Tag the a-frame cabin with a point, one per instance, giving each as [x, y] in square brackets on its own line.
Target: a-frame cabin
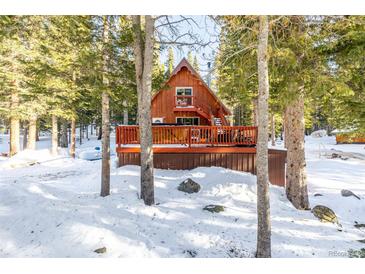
[188, 100]
[191, 129]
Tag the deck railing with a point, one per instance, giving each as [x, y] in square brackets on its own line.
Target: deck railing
[191, 135]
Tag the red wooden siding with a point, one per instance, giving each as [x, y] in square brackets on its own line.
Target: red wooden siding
[350, 138]
[241, 159]
[164, 103]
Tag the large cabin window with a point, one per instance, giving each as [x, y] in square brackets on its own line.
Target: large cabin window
[184, 96]
[189, 121]
[184, 91]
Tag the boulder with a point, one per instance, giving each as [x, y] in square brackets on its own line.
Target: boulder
[339, 155]
[189, 186]
[214, 208]
[318, 194]
[335, 155]
[359, 226]
[100, 250]
[235, 252]
[348, 193]
[325, 214]
[191, 253]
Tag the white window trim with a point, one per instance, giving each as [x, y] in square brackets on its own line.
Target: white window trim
[192, 91]
[188, 117]
[192, 95]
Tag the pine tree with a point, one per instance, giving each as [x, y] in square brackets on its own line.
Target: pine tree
[12, 53]
[170, 62]
[293, 61]
[190, 58]
[196, 64]
[105, 171]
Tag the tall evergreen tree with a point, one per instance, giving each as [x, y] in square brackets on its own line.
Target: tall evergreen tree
[170, 62]
[190, 58]
[196, 64]
[105, 170]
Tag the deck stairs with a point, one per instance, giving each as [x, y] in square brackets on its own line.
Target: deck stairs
[200, 111]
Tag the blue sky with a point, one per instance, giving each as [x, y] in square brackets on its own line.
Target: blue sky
[206, 29]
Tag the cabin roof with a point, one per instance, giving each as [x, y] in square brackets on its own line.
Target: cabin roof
[184, 63]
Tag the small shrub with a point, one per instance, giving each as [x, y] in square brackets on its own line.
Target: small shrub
[356, 253]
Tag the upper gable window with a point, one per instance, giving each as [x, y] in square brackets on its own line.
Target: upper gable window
[186, 91]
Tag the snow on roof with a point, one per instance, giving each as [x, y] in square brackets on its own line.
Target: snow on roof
[345, 130]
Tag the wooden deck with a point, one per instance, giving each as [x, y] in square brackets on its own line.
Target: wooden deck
[191, 135]
[188, 147]
[350, 138]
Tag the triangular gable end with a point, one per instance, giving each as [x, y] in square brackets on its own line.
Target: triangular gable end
[185, 63]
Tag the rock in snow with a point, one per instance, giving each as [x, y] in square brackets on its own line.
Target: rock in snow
[189, 186]
[100, 250]
[348, 193]
[359, 226]
[214, 208]
[325, 214]
[191, 253]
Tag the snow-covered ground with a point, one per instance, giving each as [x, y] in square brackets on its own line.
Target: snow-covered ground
[53, 209]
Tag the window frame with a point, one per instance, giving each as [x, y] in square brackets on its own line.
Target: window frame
[192, 117]
[191, 88]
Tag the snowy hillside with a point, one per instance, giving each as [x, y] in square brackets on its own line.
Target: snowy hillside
[53, 209]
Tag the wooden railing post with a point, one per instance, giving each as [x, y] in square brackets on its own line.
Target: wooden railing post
[190, 136]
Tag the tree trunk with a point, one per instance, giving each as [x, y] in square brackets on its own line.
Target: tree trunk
[73, 138]
[100, 132]
[263, 197]
[14, 124]
[296, 183]
[92, 129]
[273, 129]
[80, 134]
[125, 113]
[25, 135]
[37, 132]
[54, 135]
[32, 133]
[255, 109]
[14, 136]
[143, 51]
[87, 132]
[64, 141]
[285, 128]
[105, 119]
